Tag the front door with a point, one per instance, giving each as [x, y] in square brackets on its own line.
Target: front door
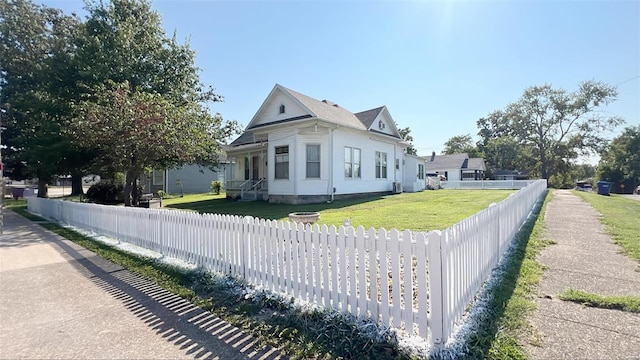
[255, 166]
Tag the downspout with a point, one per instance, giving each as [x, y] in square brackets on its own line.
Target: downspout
[331, 151]
[395, 158]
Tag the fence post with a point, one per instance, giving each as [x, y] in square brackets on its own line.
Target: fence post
[244, 248]
[436, 288]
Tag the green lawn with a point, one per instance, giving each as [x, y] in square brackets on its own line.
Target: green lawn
[622, 219]
[423, 211]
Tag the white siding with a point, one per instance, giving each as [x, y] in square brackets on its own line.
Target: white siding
[368, 182]
[388, 127]
[271, 111]
[312, 186]
[282, 137]
[452, 174]
[411, 181]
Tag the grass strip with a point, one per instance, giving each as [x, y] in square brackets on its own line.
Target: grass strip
[504, 326]
[627, 303]
[420, 211]
[300, 333]
[620, 217]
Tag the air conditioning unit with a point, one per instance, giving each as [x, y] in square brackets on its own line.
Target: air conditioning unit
[397, 187]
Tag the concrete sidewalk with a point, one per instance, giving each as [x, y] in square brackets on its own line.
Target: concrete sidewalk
[59, 300]
[583, 258]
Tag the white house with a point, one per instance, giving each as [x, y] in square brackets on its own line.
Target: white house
[455, 167]
[297, 149]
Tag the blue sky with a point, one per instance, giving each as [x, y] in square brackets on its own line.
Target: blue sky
[437, 66]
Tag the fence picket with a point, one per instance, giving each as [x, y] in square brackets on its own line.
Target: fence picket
[423, 281]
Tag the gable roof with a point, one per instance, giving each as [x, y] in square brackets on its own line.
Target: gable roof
[323, 110]
[367, 117]
[476, 164]
[454, 161]
[327, 110]
[447, 161]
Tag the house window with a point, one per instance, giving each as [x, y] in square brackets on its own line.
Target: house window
[282, 162]
[421, 171]
[313, 161]
[282, 109]
[158, 177]
[381, 165]
[351, 162]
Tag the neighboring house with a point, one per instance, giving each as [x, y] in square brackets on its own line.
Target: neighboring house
[511, 175]
[297, 149]
[455, 167]
[189, 179]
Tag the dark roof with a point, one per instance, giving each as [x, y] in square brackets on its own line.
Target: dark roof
[245, 138]
[301, 117]
[476, 164]
[448, 161]
[368, 116]
[328, 110]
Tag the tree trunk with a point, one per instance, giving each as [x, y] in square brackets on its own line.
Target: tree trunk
[43, 188]
[76, 185]
[129, 183]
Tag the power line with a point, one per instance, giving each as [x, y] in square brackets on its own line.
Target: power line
[626, 81]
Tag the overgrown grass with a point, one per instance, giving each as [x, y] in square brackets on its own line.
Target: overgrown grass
[422, 211]
[503, 326]
[621, 218]
[625, 303]
[300, 333]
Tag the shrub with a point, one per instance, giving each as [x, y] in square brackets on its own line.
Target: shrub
[105, 193]
[216, 186]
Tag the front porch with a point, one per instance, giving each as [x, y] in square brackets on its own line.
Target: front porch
[250, 182]
[248, 190]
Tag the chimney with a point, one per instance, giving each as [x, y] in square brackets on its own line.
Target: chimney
[433, 156]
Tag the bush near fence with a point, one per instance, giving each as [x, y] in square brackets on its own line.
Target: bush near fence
[415, 281]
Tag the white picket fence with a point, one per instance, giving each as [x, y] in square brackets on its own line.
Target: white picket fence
[486, 184]
[415, 281]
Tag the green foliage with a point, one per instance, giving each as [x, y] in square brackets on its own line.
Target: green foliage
[405, 135]
[59, 77]
[620, 161]
[461, 144]
[216, 187]
[628, 303]
[36, 43]
[621, 219]
[546, 129]
[105, 193]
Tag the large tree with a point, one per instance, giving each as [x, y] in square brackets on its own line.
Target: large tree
[620, 161]
[553, 127]
[144, 105]
[135, 130]
[461, 144]
[34, 41]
